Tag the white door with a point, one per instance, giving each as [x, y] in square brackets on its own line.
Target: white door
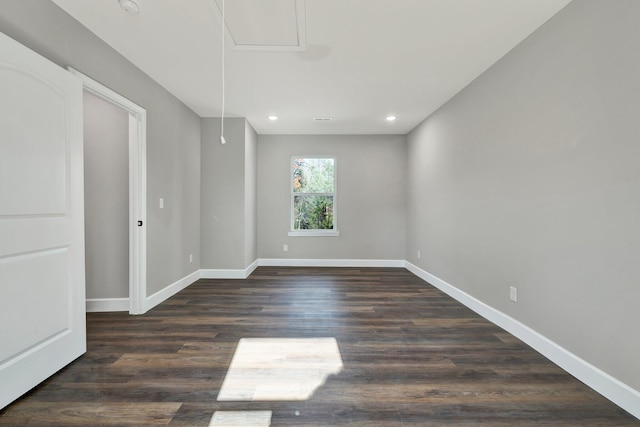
[42, 297]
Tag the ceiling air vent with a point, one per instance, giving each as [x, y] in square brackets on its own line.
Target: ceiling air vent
[322, 119]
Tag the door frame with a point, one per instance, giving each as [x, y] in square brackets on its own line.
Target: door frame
[137, 188]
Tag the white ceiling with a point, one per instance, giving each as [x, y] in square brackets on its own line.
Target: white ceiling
[364, 59]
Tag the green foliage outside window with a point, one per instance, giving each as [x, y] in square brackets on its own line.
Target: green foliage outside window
[313, 186]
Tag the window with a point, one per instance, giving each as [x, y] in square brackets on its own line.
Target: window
[313, 196]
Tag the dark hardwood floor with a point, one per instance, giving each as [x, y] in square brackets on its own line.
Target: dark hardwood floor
[411, 356]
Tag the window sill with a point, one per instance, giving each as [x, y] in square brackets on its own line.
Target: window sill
[314, 233]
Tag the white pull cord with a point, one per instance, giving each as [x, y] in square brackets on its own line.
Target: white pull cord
[222, 140]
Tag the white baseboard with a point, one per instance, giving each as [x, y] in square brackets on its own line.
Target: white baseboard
[608, 386]
[171, 290]
[107, 304]
[228, 273]
[291, 262]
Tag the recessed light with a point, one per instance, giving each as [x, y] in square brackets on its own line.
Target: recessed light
[272, 118]
[391, 118]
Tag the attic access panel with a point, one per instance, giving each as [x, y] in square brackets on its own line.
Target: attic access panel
[266, 24]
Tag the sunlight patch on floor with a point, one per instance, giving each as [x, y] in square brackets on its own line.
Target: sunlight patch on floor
[240, 419]
[269, 369]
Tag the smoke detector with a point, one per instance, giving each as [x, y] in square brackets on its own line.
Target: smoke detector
[130, 6]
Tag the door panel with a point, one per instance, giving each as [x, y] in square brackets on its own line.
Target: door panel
[21, 277]
[38, 153]
[42, 303]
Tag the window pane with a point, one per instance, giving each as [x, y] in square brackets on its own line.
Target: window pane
[312, 212]
[313, 175]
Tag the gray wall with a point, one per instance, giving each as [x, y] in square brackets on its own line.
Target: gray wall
[173, 130]
[224, 194]
[106, 198]
[529, 178]
[250, 195]
[371, 196]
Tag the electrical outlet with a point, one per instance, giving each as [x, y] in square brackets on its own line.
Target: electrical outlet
[161, 203]
[190, 258]
[513, 294]
[419, 254]
[285, 248]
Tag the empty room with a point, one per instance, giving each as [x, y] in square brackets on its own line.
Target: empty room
[319, 212]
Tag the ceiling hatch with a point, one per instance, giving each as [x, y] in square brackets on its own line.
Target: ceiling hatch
[266, 24]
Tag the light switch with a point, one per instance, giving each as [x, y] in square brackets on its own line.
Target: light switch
[161, 203]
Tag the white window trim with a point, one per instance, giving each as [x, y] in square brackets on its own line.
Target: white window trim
[315, 233]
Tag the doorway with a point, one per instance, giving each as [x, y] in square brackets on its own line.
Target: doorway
[136, 131]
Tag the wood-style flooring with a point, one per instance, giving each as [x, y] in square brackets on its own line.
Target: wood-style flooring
[411, 356]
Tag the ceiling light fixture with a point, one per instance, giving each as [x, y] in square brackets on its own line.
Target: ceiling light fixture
[391, 118]
[222, 140]
[272, 118]
[130, 6]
